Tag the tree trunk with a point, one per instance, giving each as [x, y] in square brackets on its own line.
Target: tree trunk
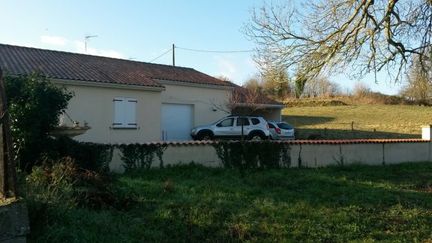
[7, 163]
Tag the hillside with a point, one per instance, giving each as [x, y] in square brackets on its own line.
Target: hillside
[370, 121]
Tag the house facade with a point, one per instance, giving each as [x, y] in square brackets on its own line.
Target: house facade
[126, 101]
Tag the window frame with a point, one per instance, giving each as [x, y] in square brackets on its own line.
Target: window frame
[124, 113]
[232, 124]
[252, 121]
[244, 119]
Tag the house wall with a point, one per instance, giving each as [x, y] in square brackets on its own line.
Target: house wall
[95, 106]
[206, 101]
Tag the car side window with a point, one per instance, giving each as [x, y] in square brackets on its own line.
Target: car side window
[255, 121]
[271, 125]
[226, 123]
[243, 121]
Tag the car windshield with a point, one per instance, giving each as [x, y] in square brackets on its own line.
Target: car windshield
[284, 125]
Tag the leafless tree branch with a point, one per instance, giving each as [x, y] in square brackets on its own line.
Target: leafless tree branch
[364, 35]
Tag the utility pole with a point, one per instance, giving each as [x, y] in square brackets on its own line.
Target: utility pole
[173, 55]
[86, 39]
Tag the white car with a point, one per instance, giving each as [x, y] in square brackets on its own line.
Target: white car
[254, 128]
[281, 130]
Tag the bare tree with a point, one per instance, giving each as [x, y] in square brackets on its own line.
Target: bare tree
[254, 84]
[330, 35]
[272, 82]
[321, 87]
[419, 83]
[243, 98]
[242, 102]
[299, 84]
[276, 82]
[361, 90]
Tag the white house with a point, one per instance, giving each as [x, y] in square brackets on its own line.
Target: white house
[127, 101]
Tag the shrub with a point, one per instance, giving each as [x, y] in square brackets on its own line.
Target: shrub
[140, 156]
[62, 182]
[89, 156]
[253, 155]
[34, 104]
[53, 182]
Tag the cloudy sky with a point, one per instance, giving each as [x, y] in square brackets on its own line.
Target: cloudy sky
[144, 30]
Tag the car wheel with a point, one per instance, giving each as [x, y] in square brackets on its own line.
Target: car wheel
[256, 137]
[205, 136]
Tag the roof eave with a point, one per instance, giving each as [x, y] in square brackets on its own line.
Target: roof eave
[193, 84]
[107, 85]
[259, 105]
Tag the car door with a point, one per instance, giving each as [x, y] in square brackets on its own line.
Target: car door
[224, 128]
[237, 131]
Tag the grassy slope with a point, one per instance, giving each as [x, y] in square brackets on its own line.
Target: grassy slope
[389, 121]
[189, 203]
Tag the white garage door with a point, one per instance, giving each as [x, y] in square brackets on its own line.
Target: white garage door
[177, 121]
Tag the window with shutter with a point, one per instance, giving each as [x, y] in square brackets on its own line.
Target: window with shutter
[125, 113]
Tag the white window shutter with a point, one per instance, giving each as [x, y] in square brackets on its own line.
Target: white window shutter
[118, 110]
[131, 112]
[125, 113]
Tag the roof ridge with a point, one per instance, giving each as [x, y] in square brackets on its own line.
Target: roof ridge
[96, 56]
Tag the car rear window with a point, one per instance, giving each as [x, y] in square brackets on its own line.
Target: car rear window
[271, 125]
[255, 121]
[283, 125]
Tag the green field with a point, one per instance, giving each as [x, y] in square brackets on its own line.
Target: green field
[196, 204]
[370, 121]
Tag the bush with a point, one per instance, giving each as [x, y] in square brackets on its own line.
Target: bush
[253, 155]
[62, 182]
[89, 156]
[34, 104]
[53, 182]
[141, 156]
[304, 102]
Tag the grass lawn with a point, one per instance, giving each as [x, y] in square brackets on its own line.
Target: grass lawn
[192, 203]
[370, 121]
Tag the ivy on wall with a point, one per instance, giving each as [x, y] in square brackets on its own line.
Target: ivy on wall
[141, 156]
[253, 155]
[233, 154]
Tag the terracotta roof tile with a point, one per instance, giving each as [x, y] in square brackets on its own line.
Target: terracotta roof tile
[18, 60]
[296, 142]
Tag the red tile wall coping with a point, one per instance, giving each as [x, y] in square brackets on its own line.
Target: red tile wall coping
[295, 142]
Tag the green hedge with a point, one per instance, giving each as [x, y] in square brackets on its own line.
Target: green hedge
[253, 155]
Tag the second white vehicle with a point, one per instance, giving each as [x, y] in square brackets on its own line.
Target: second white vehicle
[281, 130]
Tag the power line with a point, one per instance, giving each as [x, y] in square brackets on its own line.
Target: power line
[161, 55]
[196, 50]
[213, 51]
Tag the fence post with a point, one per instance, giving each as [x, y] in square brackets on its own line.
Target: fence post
[352, 126]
